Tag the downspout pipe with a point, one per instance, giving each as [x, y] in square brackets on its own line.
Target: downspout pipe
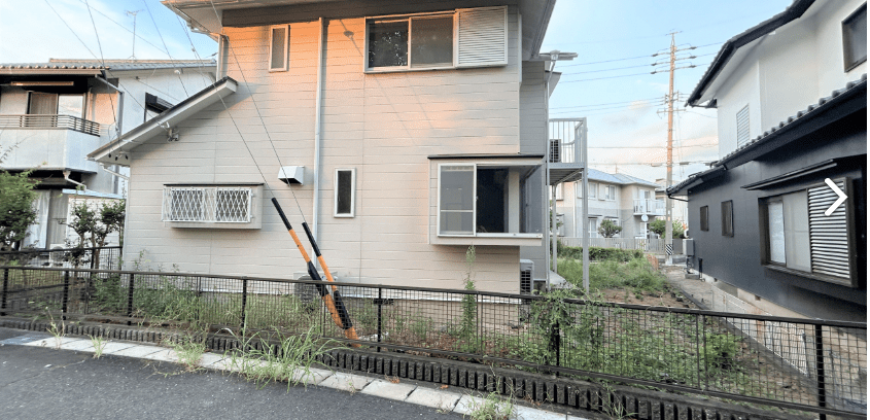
[318, 112]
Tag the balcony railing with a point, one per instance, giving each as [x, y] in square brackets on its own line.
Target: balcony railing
[648, 206]
[41, 122]
[567, 136]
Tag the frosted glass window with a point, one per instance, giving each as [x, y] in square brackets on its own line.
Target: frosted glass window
[278, 59]
[457, 200]
[344, 192]
[776, 232]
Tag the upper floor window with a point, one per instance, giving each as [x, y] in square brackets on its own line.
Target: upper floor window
[57, 104]
[558, 189]
[466, 38]
[610, 192]
[593, 190]
[743, 126]
[855, 38]
[278, 48]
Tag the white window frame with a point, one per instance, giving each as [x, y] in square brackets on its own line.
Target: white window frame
[607, 196]
[409, 18]
[208, 205]
[352, 193]
[286, 47]
[474, 201]
[592, 190]
[474, 233]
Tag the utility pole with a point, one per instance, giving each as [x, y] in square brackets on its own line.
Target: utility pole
[672, 67]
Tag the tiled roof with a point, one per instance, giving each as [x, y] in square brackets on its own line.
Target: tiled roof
[862, 82]
[596, 175]
[118, 65]
[797, 118]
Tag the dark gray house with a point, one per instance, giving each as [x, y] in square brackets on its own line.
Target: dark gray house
[791, 95]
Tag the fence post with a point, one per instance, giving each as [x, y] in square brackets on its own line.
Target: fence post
[65, 300]
[4, 292]
[704, 349]
[130, 298]
[380, 319]
[244, 301]
[820, 369]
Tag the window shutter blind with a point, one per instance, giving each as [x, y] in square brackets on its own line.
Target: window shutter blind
[481, 37]
[829, 235]
[743, 126]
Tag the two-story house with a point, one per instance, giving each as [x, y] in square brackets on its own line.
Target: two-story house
[623, 199]
[401, 132]
[791, 96]
[52, 114]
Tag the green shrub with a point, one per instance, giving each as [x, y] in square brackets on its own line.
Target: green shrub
[598, 253]
[636, 273]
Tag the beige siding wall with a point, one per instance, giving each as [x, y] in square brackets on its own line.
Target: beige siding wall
[384, 125]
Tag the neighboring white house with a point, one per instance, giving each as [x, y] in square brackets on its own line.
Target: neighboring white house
[52, 114]
[407, 132]
[679, 208]
[622, 199]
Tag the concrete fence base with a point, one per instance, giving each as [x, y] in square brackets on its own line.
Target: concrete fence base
[569, 395]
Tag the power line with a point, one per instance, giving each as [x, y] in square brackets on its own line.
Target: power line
[628, 58]
[603, 70]
[609, 103]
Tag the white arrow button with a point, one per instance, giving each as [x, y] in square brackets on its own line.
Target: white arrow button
[840, 193]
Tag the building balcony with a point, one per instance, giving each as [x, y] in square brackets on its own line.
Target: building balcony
[566, 149]
[49, 142]
[649, 207]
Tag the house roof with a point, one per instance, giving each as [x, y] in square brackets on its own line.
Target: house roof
[160, 123]
[58, 64]
[839, 104]
[730, 47]
[620, 179]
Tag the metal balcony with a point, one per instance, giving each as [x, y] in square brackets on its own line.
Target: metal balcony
[566, 149]
[43, 122]
[649, 207]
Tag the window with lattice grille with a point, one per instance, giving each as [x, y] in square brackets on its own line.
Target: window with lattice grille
[207, 204]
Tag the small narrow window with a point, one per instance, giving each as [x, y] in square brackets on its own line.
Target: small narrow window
[743, 126]
[855, 38]
[705, 219]
[278, 50]
[593, 190]
[727, 219]
[344, 192]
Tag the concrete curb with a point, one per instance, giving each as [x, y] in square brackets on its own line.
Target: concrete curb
[445, 401]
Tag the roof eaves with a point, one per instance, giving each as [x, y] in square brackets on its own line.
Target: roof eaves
[824, 104]
[792, 12]
[221, 88]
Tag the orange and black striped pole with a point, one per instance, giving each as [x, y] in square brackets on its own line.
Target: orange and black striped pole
[333, 302]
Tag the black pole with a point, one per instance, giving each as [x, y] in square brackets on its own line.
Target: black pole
[820, 370]
[380, 305]
[244, 301]
[130, 298]
[65, 300]
[4, 292]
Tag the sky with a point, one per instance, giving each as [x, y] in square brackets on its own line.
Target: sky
[609, 82]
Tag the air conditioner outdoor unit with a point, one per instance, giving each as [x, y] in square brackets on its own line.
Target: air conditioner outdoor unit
[527, 270]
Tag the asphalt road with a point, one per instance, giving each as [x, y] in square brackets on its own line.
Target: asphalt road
[41, 383]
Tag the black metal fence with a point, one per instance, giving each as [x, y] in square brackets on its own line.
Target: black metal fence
[105, 258]
[798, 364]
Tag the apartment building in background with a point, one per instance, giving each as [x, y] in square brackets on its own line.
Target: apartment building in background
[628, 201]
[52, 114]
